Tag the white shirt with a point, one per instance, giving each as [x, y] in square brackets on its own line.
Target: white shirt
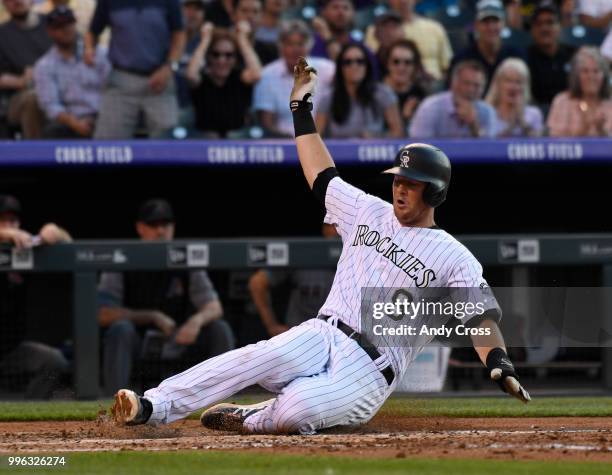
[274, 88]
[606, 47]
[380, 256]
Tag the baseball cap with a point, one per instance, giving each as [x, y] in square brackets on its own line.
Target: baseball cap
[9, 204]
[60, 16]
[544, 6]
[155, 211]
[490, 8]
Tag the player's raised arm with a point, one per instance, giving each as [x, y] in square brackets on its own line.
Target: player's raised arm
[312, 152]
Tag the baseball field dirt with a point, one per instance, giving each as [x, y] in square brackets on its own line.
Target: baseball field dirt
[394, 434]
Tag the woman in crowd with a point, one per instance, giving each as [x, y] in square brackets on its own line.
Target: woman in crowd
[357, 106]
[585, 109]
[510, 95]
[221, 90]
[406, 77]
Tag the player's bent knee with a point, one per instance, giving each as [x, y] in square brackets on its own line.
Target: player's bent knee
[299, 418]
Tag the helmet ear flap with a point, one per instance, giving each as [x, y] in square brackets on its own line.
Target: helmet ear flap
[433, 196]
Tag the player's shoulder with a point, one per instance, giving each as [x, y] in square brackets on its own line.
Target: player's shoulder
[459, 254]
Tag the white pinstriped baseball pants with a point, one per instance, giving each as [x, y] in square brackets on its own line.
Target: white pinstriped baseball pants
[322, 377]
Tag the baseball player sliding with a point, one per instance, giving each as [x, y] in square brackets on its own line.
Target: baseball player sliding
[323, 371]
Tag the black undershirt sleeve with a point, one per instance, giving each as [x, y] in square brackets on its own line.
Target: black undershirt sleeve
[319, 187]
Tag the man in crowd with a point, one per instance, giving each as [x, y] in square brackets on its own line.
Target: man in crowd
[487, 48]
[249, 12]
[548, 58]
[182, 305]
[387, 30]
[83, 11]
[272, 91]
[43, 364]
[23, 39]
[309, 289]
[144, 51]
[458, 113]
[333, 28]
[429, 36]
[269, 25]
[68, 90]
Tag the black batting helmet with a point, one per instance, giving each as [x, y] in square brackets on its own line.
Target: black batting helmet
[426, 163]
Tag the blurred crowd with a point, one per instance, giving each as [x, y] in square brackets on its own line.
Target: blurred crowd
[117, 69]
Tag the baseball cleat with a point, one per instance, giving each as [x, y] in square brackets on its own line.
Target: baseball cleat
[230, 417]
[130, 409]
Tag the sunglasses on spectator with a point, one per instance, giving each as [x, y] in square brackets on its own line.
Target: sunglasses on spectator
[222, 54]
[398, 61]
[357, 61]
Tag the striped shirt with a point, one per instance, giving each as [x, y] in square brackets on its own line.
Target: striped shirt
[379, 253]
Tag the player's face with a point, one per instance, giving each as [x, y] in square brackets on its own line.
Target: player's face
[159, 231]
[9, 221]
[408, 204]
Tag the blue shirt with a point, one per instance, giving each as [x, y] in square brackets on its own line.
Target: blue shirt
[140, 31]
[436, 117]
[69, 85]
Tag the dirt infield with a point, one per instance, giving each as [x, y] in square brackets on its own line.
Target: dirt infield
[576, 438]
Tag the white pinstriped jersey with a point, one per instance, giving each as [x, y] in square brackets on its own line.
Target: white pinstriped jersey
[378, 252]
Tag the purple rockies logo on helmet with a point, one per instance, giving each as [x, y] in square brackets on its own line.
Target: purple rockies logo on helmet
[405, 159]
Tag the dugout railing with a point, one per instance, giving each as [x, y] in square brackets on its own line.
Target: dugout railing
[85, 259]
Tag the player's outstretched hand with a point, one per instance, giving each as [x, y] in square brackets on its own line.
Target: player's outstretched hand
[304, 81]
[503, 373]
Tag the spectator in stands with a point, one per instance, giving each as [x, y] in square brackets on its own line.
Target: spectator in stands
[585, 109]
[272, 91]
[68, 90]
[333, 29]
[547, 57]
[144, 51]
[357, 106]
[193, 16]
[509, 95]
[429, 36]
[23, 39]
[249, 11]
[406, 78]
[457, 113]
[387, 30]
[83, 11]
[595, 13]
[43, 364]
[183, 305]
[309, 289]
[269, 26]
[487, 48]
[514, 15]
[222, 91]
[4, 16]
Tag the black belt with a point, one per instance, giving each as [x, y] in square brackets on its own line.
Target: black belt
[362, 341]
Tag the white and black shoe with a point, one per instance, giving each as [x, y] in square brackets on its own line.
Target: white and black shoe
[230, 417]
[130, 408]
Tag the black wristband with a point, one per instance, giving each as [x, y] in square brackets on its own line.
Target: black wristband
[303, 123]
[498, 358]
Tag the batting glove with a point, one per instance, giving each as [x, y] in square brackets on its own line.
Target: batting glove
[502, 372]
